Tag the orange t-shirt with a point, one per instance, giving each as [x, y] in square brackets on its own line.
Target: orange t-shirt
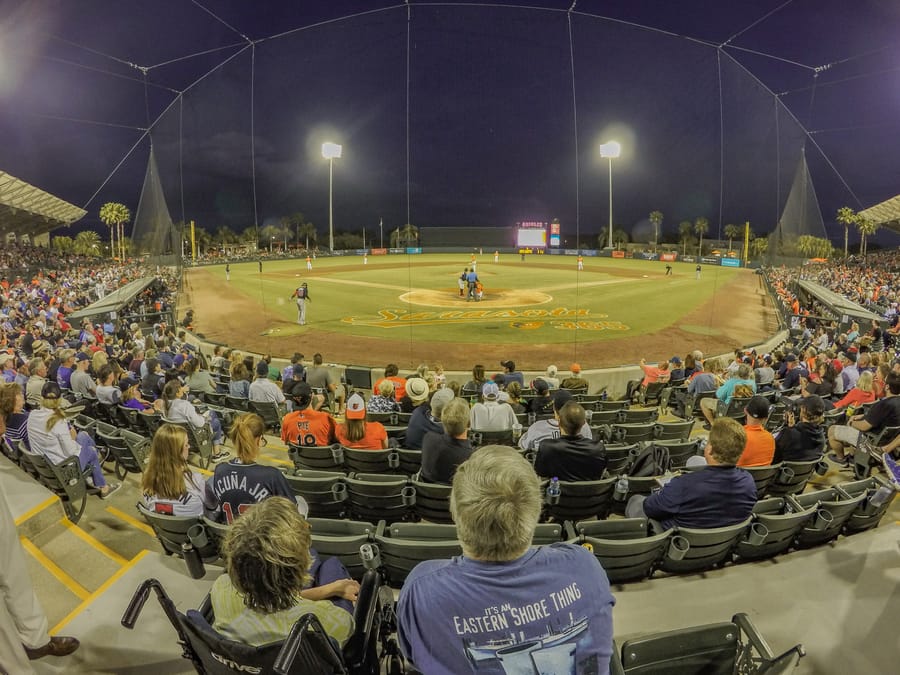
[307, 427]
[760, 447]
[375, 434]
[399, 386]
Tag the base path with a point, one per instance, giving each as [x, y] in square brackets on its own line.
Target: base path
[739, 314]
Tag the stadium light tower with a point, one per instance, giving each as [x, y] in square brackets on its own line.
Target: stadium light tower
[610, 150]
[331, 152]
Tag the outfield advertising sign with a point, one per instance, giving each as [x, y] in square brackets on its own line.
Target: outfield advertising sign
[414, 249]
[731, 262]
[688, 258]
[379, 251]
[668, 257]
[710, 260]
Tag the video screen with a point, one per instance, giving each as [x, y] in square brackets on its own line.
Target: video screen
[531, 237]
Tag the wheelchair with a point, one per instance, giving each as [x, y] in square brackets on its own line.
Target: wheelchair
[307, 648]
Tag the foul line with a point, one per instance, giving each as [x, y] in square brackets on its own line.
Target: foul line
[369, 284]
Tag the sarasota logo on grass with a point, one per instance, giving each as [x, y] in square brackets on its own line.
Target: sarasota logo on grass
[560, 318]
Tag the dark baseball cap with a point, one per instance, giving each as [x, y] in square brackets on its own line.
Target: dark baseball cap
[81, 356]
[127, 383]
[560, 398]
[540, 385]
[813, 405]
[51, 390]
[758, 407]
[302, 392]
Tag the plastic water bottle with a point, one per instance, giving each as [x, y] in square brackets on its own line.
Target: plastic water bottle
[880, 496]
[621, 490]
[553, 490]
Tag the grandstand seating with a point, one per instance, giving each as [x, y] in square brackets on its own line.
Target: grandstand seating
[692, 550]
[66, 480]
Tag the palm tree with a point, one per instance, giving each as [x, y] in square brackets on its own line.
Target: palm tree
[87, 243]
[758, 247]
[701, 227]
[732, 232]
[307, 231]
[405, 234]
[686, 234]
[620, 237]
[63, 244]
[656, 219]
[867, 227]
[224, 236]
[115, 215]
[846, 217]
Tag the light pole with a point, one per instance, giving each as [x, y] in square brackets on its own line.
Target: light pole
[331, 151]
[610, 150]
[381, 231]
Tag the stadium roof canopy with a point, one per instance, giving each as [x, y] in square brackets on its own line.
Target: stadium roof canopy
[886, 214]
[25, 209]
[116, 300]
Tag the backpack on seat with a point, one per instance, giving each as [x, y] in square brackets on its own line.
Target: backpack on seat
[653, 460]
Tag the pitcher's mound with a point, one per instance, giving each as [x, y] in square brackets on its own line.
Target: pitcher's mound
[495, 297]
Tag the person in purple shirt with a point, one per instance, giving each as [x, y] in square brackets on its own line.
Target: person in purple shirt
[66, 366]
[130, 397]
[504, 605]
[717, 496]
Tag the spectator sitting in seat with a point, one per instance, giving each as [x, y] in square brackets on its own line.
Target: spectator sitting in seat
[760, 446]
[717, 496]
[792, 372]
[176, 408]
[542, 429]
[863, 392]
[169, 485]
[239, 382]
[307, 425]
[392, 374]
[427, 415]
[197, 378]
[676, 370]
[575, 381]
[152, 383]
[820, 382]
[513, 396]
[82, 383]
[474, 385]
[66, 367]
[130, 397]
[550, 377]
[510, 374]
[571, 456]
[266, 587]
[652, 374]
[36, 380]
[443, 453]
[741, 385]
[13, 415]
[287, 374]
[764, 374]
[490, 414]
[355, 432]
[541, 403]
[416, 394]
[495, 503]
[802, 441]
[240, 482]
[384, 400]
[319, 376]
[884, 413]
[262, 389]
[50, 435]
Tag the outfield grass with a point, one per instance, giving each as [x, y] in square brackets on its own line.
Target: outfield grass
[542, 300]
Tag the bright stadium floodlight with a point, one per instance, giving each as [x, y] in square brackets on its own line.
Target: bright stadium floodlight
[331, 152]
[610, 150]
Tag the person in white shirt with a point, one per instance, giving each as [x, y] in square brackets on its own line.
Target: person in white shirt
[107, 391]
[491, 415]
[49, 435]
[82, 383]
[262, 389]
[544, 429]
[176, 408]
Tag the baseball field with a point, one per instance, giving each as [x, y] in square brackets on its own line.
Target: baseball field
[407, 309]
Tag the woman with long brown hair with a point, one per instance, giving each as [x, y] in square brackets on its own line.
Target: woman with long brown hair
[168, 484]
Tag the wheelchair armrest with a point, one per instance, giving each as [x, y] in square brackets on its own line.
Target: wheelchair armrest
[364, 618]
[306, 624]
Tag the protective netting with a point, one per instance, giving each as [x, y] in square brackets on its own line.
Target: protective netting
[154, 233]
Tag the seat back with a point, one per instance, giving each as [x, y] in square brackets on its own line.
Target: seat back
[371, 461]
[652, 392]
[547, 533]
[636, 485]
[710, 649]
[619, 457]
[130, 417]
[317, 457]
[410, 461]
[775, 525]
[432, 502]
[633, 432]
[677, 430]
[131, 451]
[200, 440]
[707, 548]
[342, 539]
[599, 417]
[618, 528]
[870, 510]
[735, 407]
[324, 491]
[172, 531]
[792, 478]
[374, 497]
[679, 451]
[832, 510]
[762, 476]
[580, 500]
[237, 403]
[631, 559]
[638, 416]
[402, 546]
[478, 438]
[65, 480]
[269, 411]
[612, 405]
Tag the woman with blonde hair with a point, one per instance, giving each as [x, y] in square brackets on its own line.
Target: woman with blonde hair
[168, 484]
[863, 392]
[50, 435]
[99, 360]
[269, 568]
[384, 401]
[241, 482]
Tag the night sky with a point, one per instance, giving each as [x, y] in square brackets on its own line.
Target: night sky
[487, 116]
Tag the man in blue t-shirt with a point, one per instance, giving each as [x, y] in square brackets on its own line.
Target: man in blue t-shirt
[505, 606]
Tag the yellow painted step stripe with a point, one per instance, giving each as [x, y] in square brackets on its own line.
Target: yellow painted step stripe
[131, 520]
[93, 543]
[93, 596]
[77, 589]
[50, 501]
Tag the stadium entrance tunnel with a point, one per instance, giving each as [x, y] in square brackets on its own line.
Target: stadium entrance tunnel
[493, 297]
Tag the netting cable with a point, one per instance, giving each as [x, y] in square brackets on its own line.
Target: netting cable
[408, 76]
[757, 22]
[721, 141]
[577, 174]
